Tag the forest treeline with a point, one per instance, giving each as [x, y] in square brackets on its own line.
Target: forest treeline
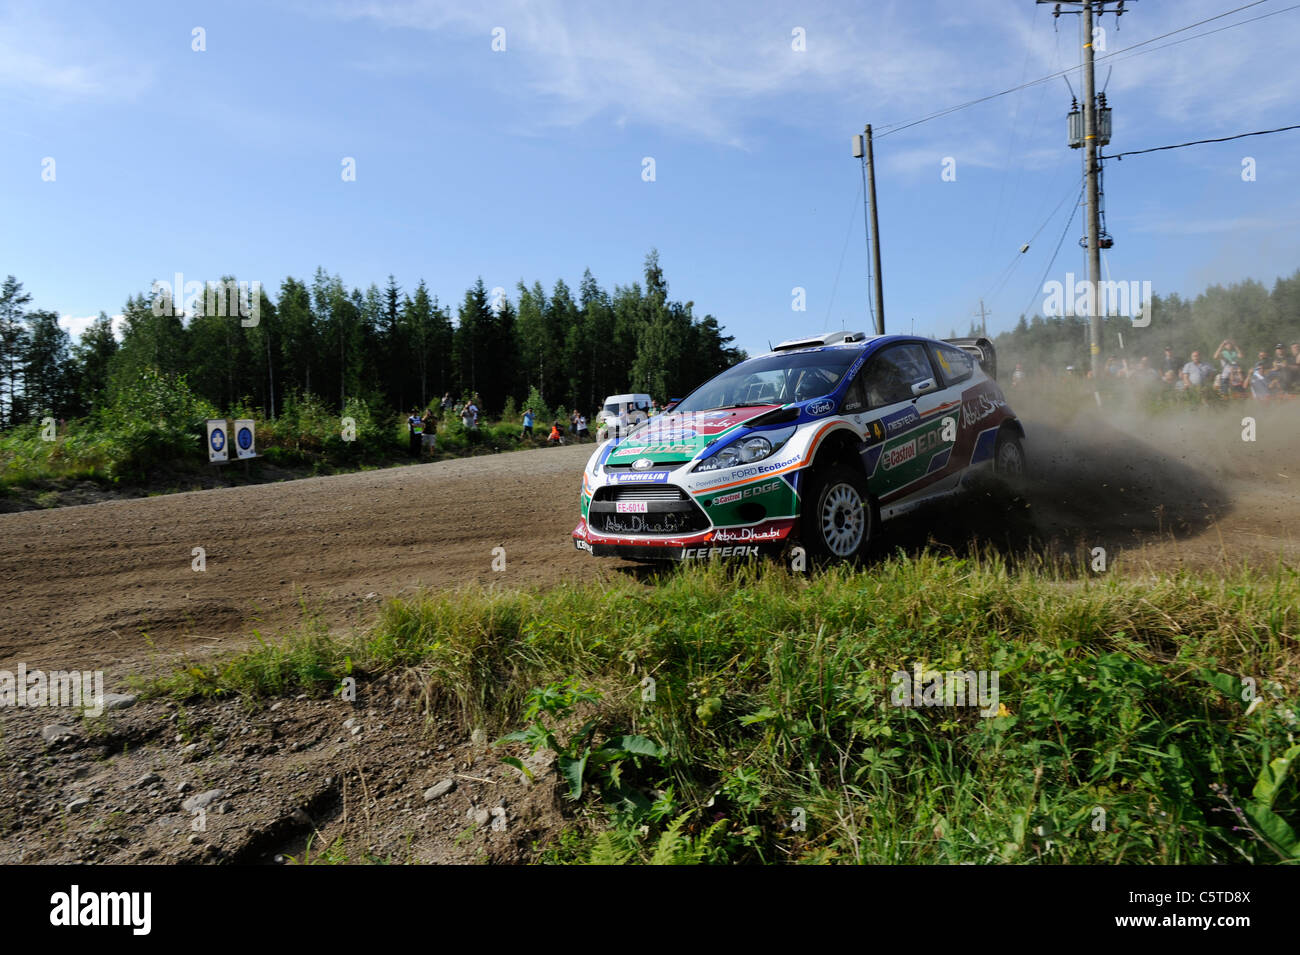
[390, 347]
[1248, 312]
[394, 348]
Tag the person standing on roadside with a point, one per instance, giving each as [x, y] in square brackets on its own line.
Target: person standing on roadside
[1196, 372]
[415, 425]
[430, 433]
[1227, 354]
[528, 424]
[1170, 362]
[582, 428]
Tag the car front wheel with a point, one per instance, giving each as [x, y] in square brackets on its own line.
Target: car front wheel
[839, 517]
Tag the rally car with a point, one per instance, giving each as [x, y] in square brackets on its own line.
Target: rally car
[814, 444]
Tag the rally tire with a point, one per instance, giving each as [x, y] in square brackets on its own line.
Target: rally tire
[1009, 458]
[840, 520]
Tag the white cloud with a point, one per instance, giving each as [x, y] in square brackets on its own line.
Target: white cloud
[52, 58]
[75, 325]
[728, 74]
[697, 70]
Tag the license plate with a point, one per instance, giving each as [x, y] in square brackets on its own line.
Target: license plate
[631, 507]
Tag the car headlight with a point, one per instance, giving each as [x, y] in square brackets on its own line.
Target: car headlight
[740, 452]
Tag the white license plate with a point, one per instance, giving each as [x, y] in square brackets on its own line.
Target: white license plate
[631, 507]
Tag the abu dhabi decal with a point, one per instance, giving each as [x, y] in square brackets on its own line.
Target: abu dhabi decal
[641, 477]
[669, 523]
[980, 407]
[748, 534]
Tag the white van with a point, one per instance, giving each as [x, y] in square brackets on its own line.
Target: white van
[620, 414]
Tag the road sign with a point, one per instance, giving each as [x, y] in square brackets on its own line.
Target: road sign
[218, 453]
[245, 432]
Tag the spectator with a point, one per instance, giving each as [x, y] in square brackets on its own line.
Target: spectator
[528, 424]
[556, 436]
[445, 404]
[1227, 354]
[430, 443]
[573, 423]
[1282, 367]
[1170, 362]
[1143, 373]
[415, 425]
[1196, 372]
[1261, 378]
[1234, 381]
[582, 427]
[1018, 376]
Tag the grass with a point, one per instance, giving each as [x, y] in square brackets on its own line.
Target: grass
[1144, 719]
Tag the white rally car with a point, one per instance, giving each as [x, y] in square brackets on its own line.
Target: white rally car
[815, 443]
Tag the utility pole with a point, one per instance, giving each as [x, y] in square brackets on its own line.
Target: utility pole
[1090, 171]
[984, 325]
[862, 150]
[1091, 165]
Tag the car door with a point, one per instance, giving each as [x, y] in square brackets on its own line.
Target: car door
[897, 389]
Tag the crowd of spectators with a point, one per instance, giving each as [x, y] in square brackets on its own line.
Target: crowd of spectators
[1275, 372]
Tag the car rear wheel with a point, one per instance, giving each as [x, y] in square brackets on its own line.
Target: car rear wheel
[839, 517]
[1009, 456]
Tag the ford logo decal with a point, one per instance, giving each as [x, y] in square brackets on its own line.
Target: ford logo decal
[820, 407]
[640, 464]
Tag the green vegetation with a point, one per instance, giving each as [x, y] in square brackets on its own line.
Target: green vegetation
[156, 426]
[1139, 720]
[321, 354]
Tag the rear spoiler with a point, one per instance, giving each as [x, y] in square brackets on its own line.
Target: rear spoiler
[982, 350]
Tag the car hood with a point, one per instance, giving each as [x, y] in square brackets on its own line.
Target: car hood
[672, 439]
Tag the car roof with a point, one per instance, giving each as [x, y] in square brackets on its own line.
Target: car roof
[868, 343]
[627, 397]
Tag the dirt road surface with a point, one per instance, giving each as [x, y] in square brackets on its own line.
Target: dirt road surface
[113, 585]
[102, 585]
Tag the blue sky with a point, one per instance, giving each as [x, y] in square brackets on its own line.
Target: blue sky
[527, 163]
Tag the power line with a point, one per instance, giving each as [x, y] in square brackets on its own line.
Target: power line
[892, 128]
[1201, 142]
[1057, 251]
[1005, 275]
[853, 213]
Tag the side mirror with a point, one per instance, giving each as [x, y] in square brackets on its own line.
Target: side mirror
[924, 387]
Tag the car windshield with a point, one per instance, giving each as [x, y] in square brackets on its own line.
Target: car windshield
[773, 380]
